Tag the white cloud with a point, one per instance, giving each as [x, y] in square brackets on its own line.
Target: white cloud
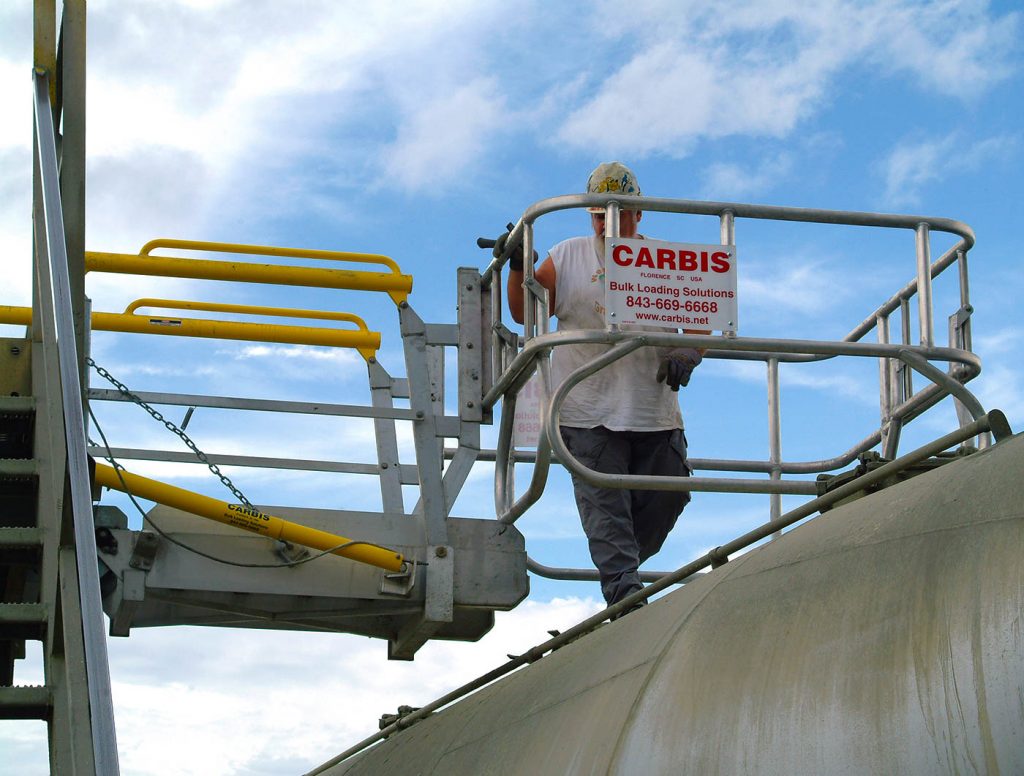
[802, 287]
[313, 357]
[296, 709]
[15, 89]
[1002, 387]
[438, 142]
[914, 165]
[726, 180]
[999, 342]
[953, 48]
[692, 72]
[15, 224]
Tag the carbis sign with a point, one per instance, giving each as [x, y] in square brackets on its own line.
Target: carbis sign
[675, 285]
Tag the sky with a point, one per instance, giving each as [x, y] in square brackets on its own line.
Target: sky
[412, 128]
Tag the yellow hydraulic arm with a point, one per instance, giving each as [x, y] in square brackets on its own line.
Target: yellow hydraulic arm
[248, 519]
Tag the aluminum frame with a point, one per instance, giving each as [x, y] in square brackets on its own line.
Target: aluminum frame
[898, 403]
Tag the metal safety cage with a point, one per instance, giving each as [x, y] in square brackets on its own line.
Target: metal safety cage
[515, 358]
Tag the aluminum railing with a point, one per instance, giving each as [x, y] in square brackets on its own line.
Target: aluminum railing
[384, 388]
[514, 358]
[56, 323]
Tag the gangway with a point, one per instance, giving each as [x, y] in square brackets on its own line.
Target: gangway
[438, 575]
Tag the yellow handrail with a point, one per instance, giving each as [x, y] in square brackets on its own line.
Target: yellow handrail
[394, 283]
[247, 309]
[268, 250]
[364, 341]
[247, 519]
[16, 316]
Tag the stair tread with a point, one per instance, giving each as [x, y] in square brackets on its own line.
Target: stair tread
[20, 537]
[25, 702]
[22, 621]
[19, 467]
[17, 404]
[22, 612]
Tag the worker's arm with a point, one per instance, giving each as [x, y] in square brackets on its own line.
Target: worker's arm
[543, 274]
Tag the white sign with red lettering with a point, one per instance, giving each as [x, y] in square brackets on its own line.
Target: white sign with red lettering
[674, 285]
[526, 429]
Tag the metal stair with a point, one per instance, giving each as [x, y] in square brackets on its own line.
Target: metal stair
[22, 616]
[39, 590]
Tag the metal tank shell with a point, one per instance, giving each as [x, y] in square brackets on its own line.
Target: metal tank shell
[882, 637]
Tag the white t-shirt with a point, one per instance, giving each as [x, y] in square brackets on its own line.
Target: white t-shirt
[623, 396]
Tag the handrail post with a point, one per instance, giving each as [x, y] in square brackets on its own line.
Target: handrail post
[774, 438]
[904, 372]
[887, 397]
[960, 336]
[529, 307]
[611, 232]
[924, 286]
[965, 301]
[727, 227]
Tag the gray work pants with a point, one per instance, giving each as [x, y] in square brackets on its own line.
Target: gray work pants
[626, 527]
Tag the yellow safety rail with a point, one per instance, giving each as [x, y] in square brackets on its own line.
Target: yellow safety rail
[248, 519]
[363, 340]
[394, 283]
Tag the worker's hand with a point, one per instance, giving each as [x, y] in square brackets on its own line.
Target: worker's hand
[675, 368]
[515, 258]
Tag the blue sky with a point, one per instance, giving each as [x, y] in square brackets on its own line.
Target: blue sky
[410, 129]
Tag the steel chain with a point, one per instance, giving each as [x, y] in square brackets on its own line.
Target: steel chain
[124, 391]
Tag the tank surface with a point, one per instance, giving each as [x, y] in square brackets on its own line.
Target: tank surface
[882, 637]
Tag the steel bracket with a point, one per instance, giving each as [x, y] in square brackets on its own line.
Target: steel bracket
[131, 593]
[399, 583]
[438, 606]
[144, 552]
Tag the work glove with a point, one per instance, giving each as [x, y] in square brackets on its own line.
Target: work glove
[515, 258]
[675, 368]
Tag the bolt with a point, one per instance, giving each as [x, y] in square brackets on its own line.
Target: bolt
[469, 286]
[441, 552]
[469, 404]
[15, 350]
[469, 346]
[383, 465]
[419, 414]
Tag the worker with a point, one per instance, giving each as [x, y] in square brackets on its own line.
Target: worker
[625, 418]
